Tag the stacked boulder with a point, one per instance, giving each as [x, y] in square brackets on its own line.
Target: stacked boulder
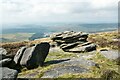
[71, 41]
[6, 66]
[29, 57]
[32, 57]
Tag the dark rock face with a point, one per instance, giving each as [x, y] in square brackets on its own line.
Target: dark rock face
[8, 73]
[71, 41]
[2, 56]
[19, 55]
[35, 56]
[5, 62]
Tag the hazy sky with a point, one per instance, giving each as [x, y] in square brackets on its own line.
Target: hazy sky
[38, 11]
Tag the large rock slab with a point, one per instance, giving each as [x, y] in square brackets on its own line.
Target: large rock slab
[58, 71]
[7, 73]
[19, 55]
[35, 56]
[80, 62]
[85, 48]
[110, 54]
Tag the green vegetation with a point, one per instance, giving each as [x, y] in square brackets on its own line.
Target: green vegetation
[107, 68]
[51, 56]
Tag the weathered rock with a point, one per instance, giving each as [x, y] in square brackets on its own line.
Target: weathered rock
[3, 51]
[85, 48]
[56, 72]
[5, 62]
[75, 36]
[80, 62]
[72, 45]
[57, 36]
[35, 56]
[19, 55]
[110, 54]
[70, 41]
[8, 73]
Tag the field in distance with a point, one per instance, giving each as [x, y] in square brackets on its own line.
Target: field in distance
[15, 37]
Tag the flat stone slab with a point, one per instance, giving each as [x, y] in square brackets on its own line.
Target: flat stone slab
[56, 72]
[110, 54]
[79, 62]
[75, 65]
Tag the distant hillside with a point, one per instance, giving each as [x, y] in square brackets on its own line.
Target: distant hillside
[36, 36]
[15, 37]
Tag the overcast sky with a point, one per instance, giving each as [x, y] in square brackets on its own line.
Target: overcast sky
[39, 11]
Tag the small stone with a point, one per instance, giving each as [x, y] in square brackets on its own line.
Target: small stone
[110, 54]
[7, 73]
[3, 51]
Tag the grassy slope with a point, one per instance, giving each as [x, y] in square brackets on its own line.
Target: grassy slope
[107, 67]
[106, 39]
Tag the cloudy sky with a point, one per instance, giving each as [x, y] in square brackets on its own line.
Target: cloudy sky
[40, 11]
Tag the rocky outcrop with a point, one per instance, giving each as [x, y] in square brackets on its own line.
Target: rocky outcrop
[19, 55]
[7, 66]
[70, 41]
[35, 56]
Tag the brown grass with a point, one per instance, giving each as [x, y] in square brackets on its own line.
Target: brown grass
[106, 39]
[13, 47]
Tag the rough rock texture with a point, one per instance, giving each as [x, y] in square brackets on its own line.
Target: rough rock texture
[70, 41]
[69, 66]
[110, 54]
[79, 62]
[35, 56]
[19, 55]
[3, 51]
[86, 48]
[56, 72]
[8, 73]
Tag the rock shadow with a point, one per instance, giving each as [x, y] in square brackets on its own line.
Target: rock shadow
[54, 62]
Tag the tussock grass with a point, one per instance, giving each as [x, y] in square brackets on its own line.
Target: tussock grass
[106, 39]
